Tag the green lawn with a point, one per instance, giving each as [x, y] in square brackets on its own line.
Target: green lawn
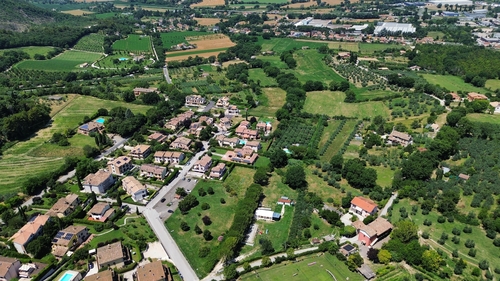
[284, 44]
[486, 118]
[109, 61]
[270, 101]
[262, 162]
[332, 104]
[257, 74]
[492, 84]
[133, 43]
[67, 61]
[220, 214]
[277, 231]
[32, 50]
[174, 38]
[452, 83]
[344, 46]
[384, 175]
[313, 267]
[35, 156]
[310, 66]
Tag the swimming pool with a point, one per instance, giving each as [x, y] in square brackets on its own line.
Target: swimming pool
[68, 276]
[100, 120]
[243, 142]
[287, 151]
[122, 59]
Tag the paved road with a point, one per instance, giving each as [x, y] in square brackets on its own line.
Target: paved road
[209, 106]
[388, 205]
[167, 76]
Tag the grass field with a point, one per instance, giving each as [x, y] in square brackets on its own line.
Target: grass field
[220, 214]
[452, 83]
[258, 74]
[344, 46]
[267, 1]
[67, 61]
[207, 21]
[332, 126]
[384, 175]
[35, 156]
[486, 118]
[332, 103]
[373, 47]
[311, 268]
[174, 38]
[339, 140]
[31, 51]
[310, 66]
[284, 44]
[133, 43]
[492, 84]
[91, 43]
[270, 101]
[174, 55]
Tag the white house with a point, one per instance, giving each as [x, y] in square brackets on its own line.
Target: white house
[203, 164]
[134, 188]
[98, 182]
[267, 214]
[496, 106]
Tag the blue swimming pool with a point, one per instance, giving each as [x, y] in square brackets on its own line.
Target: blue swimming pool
[243, 142]
[67, 277]
[287, 151]
[100, 120]
[122, 59]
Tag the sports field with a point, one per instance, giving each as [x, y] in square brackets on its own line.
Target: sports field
[133, 43]
[314, 267]
[332, 103]
[32, 50]
[452, 83]
[67, 61]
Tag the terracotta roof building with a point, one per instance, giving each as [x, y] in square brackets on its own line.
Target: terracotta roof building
[120, 165]
[159, 137]
[98, 182]
[218, 171]
[134, 188]
[203, 164]
[475, 96]
[69, 238]
[112, 255]
[8, 268]
[154, 271]
[106, 275]
[64, 206]
[101, 211]
[373, 232]
[244, 155]
[90, 127]
[181, 143]
[170, 157]
[28, 232]
[153, 171]
[140, 151]
[363, 206]
[400, 138]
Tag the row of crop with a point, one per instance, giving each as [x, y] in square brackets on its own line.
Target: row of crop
[194, 83]
[314, 141]
[187, 90]
[332, 137]
[294, 133]
[349, 139]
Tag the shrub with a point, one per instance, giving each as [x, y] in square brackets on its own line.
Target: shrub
[496, 242]
[206, 220]
[484, 264]
[456, 231]
[472, 252]
[488, 275]
[444, 236]
[197, 230]
[451, 219]
[441, 219]
[490, 233]
[467, 229]
[476, 272]
[455, 239]
[210, 190]
[470, 243]
[184, 226]
[427, 222]
[441, 241]
[207, 235]
[497, 270]
[203, 252]
[455, 253]
[425, 235]
[205, 206]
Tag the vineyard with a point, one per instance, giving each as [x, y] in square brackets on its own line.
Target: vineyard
[298, 133]
[90, 43]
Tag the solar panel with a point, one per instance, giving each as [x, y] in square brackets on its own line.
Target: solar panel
[68, 236]
[54, 240]
[59, 234]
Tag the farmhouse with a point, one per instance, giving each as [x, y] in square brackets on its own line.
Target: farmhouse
[8, 268]
[363, 206]
[218, 171]
[225, 141]
[267, 214]
[106, 275]
[112, 255]
[455, 97]
[475, 96]
[134, 188]
[69, 238]
[101, 212]
[232, 110]
[181, 143]
[158, 137]
[154, 271]
[222, 102]
[400, 138]
[31, 230]
[496, 106]
[373, 232]
[195, 100]
[171, 157]
[241, 155]
[64, 206]
[203, 164]
[285, 201]
[90, 127]
[98, 182]
[140, 151]
[140, 91]
[120, 165]
[153, 171]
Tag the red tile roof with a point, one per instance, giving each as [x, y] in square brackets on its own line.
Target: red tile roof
[364, 203]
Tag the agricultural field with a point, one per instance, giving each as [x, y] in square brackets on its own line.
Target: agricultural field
[144, 7]
[313, 267]
[310, 66]
[133, 43]
[78, 12]
[267, 1]
[220, 214]
[332, 103]
[31, 51]
[368, 48]
[257, 74]
[91, 43]
[301, 133]
[208, 21]
[344, 46]
[213, 44]
[492, 84]
[284, 44]
[174, 38]
[486, 118]
[209, 3]
[67, 61]
[339, 140]
[113, 61]
[270, 101]
[452, 83]
[36, 156]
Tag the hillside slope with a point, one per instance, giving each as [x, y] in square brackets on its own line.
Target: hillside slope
[18, 15]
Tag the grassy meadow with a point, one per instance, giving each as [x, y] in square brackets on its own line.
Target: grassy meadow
[31, 51]
[486, 118]
[270, 101]
[91, 43]
[339, 140]
[174, 38]
[332, 103]
[310, 66]
[452, 83]
[133, 43]
[67, 61]
[284, 44]
[492, 84]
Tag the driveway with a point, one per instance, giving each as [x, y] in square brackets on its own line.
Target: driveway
[388, 205]
[209, 106]
[346, 219]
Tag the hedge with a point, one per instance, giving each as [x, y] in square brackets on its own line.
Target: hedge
[42, 273]
[87, 222]
[126, 268]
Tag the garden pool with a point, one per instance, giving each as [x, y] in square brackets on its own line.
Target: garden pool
[70, 276]
[122, 59]
[100, 120]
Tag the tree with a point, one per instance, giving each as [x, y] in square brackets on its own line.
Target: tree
[350, 96]
[119, 201]
[405, 231]
[207, 235]
[337, 163]
[260, 177]
[278, 158]
[384, 256]
[295, 177]
[431, 260]
[181, 192]
[266, 246]
[354, 261]
[266, 261]
[206, 220]
[230, 272]
[184, 226]
[197, 230]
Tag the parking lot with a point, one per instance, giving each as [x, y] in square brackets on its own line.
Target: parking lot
[162, 208]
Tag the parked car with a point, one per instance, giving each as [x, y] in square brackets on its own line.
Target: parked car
[170, 211]
[163, 200]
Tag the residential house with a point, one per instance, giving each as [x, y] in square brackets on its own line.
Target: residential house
[475, 96]
[181, 143]
[254, 145]
[496, 106]
[176, 122]
[203, 164]
[264, 127]
[101, 211]
[463, 177]
[363, 206]
[134, 188]
[106, 275]
[8, 268]
[348, 249]
[225, 141]
[140, 151]
[218, 171]
[222, 102]
[170, 157]
[373, 232]
[154, 271]
[27, 269]
[120, 165]
[400, 138]
[112, 255]
[90, 127]
[208, 120]
[153, 171]
[140, 91]
[224, 124]
[98, 182]
[31, 230]
[247, 134]
[159, 137]
[267, 214]
[68, 239]
[244, 155]
[195, 100]
[195, 128]
[455, 97]
[64, 206]
[232, 110]
[285, 201]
